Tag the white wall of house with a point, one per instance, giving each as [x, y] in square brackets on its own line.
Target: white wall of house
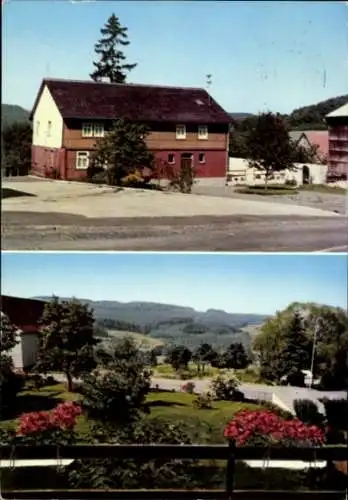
[240, 173]
[47, 122]
[17, 352]
[30, 344]
[25, 351]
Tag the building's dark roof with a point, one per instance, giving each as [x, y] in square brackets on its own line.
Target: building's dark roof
[25, 314]
[149, 103]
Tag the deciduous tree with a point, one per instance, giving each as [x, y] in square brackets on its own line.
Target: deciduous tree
[111, 65]
[269, 146]
[67, 339]
[121, 153]
[179, 357]
[235, 357]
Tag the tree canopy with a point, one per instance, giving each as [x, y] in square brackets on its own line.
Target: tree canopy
[111, 65]
[283, 343]
[269, 146]
[123, 152]
[67, 339]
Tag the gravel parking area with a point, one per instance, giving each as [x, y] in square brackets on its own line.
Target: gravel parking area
[325, 201]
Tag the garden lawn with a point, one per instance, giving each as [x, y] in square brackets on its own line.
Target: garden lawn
[271, 190]
[324, 188]
[206, 425]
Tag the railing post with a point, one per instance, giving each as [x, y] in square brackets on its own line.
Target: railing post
[230, 469]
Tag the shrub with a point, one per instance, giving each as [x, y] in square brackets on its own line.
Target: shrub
[224, 386]
[307, 411]
[189, 387]
[203, 401]
[262, 427]
[184, 374]
[291, 182]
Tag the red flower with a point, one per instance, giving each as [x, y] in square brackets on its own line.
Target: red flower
[262, 425]
[62, 417]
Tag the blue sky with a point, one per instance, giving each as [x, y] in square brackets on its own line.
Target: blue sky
[263, 55]
[244, 283]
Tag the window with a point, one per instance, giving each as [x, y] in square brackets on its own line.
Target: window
[87, 130]
[92, 130]
[37, 128]
[171, 158]
[201, 158]
[180, 132]
[82, 160]
[202, 132]
[49, 128]
[98, 130]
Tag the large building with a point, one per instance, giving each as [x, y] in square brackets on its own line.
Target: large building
[338, 142]
[186, 124]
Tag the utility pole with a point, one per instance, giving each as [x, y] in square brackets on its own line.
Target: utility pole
[315, 336]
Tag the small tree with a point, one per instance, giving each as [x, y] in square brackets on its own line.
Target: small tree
[122, 152]
[179, 357]
[10, 382]
[111, 65]
[115, 392]
[66, 339]
[235, 357]
[203, 354]
[269, 145]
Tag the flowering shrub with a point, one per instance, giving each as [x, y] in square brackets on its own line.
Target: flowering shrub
[189, 387]
[263, 427]
[49, 425]
[203, 401]
[224, 386]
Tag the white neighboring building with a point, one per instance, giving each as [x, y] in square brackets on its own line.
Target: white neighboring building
[304, 173]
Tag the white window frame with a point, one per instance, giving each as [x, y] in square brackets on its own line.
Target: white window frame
[80, 156]
[171, 162]
[181, 132]
[98, 130]
[49, 128]
[87, 129]
[201, 161]
[203, 132]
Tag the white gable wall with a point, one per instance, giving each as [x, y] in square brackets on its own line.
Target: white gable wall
[47, 111]
[240, 173]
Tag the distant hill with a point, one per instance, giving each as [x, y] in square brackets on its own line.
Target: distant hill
[11, 113]
[175, 324]
[312, 117]
[240, 116]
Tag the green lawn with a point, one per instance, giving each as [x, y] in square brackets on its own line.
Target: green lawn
[207, 424]
[165, 370]
[272, 190]
[172, 406]
[324, 188]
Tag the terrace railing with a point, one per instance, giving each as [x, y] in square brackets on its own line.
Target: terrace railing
[228, 453]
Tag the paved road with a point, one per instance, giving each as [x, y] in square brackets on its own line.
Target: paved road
[53, 231]
[287, 395]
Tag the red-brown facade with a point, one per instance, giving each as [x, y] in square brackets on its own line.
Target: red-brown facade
[209, 156]
[162, 109]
